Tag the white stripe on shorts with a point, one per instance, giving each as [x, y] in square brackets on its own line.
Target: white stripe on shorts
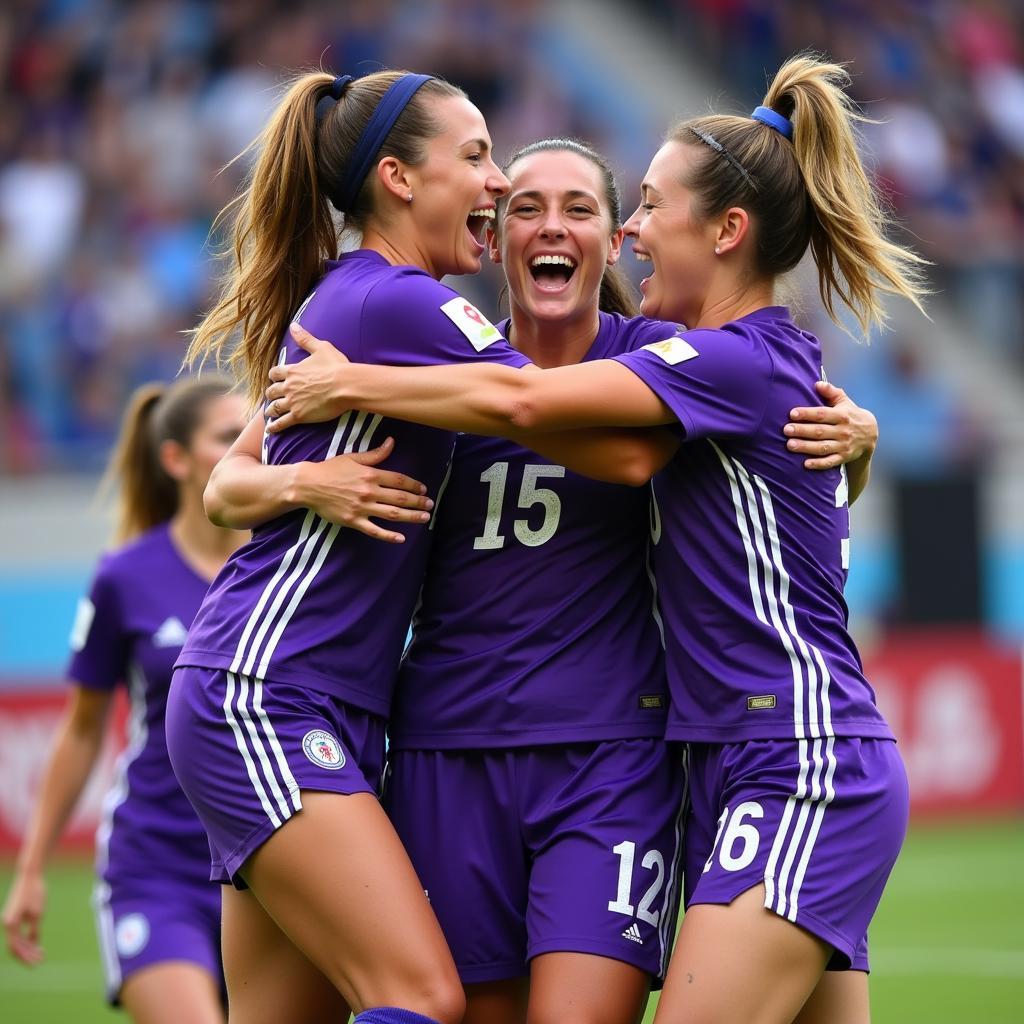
[250, 765]
[282, 762]
[666, 928]
[258, 747]
[108, 942]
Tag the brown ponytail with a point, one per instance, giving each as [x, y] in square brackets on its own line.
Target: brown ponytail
[283, 226]
[147, 496]
[812, 190]
[617, 294]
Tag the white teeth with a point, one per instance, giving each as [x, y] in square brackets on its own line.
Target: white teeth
[642, 256]
[558, 261]
[488, 213]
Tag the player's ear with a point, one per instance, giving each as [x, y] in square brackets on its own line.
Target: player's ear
[615, 247]
[174, 460]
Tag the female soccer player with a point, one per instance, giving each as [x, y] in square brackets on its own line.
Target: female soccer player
[286, 680]
[799, 797]
[157, 913]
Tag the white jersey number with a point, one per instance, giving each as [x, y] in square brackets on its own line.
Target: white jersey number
[652, 861]
[733, 830]
[496, 478]
[843, 501]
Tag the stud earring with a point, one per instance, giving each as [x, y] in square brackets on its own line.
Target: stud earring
[408, 198]
[718, 252]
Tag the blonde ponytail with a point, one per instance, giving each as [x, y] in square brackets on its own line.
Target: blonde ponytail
[855, 259]
[283, 226]
[812, 191]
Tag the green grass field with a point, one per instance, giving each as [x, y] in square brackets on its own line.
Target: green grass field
[947, 945]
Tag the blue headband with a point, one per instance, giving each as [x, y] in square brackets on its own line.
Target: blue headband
[383, 119]
[775, 120]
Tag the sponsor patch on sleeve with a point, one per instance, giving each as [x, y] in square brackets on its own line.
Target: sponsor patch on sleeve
[84, 615]
[673, 350]
[473, 324]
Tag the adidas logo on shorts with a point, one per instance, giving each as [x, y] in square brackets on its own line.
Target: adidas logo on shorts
[633, 934]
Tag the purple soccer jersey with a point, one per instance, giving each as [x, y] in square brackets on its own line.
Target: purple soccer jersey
[305, 602]
[751, 549]
[130, 629]
[536, 623]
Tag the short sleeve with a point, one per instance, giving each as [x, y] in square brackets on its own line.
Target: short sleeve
[716, 382]
[99, 643]
[421, 323]
[644, 331]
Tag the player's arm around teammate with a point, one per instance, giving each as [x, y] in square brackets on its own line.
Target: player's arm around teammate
[158, 915]
[283, 689]
[799, 796]
[244, 492]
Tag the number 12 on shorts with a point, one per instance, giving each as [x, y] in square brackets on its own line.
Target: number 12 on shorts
[652, 861]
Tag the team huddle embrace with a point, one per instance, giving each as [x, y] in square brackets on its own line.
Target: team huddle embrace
[620, 533]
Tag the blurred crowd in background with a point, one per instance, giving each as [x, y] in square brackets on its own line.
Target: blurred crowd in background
[944, 79]
[116, 119]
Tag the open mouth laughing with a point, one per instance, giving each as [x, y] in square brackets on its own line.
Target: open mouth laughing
[552, 272]
[477, 221]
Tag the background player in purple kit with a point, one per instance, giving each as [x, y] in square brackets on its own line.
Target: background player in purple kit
[799, 796]
[157, 914]
[528, 778]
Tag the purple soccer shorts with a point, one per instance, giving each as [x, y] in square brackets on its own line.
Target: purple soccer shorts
[567, 848]
[143, 923]
[244, 748]
[819, 822]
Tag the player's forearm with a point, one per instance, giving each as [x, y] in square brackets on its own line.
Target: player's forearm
[72, 760]
[615, 455]
[242, 492]
[476, 399]
[858, 473]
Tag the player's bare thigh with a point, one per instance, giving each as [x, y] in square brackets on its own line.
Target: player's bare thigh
[840, 997]
[170, 992]
[338, 882]
[269, 980]
[563, 988]
[497, 1002]
[581, 988]
[740, 962]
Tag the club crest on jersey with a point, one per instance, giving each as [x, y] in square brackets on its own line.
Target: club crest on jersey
[323, 749]
[673, 350]
[131, 934]
[473, 324]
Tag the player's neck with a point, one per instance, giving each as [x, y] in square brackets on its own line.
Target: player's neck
[398, 251]
[723, 306]
[549, 343]
[204, 546]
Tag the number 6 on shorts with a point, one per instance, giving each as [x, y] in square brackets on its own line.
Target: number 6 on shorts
[732, 830]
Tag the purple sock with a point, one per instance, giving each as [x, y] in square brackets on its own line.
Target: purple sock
[392, 1015]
